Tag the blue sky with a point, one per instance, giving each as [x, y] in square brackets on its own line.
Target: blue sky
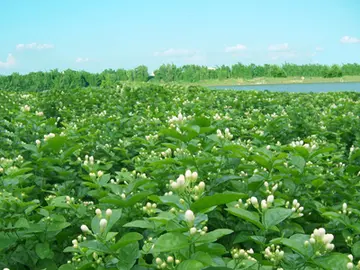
[95, 35]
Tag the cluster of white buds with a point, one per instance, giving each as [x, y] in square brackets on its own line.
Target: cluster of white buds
[243, 174]
[265, 204]
[274, 254]
[226, 135]
[151, 137]
[345, 210]
[167, 153]
[149, 208]
[186, 184]
[311, 146]
[177, 119]
[108, 213]
[26, 108]
[88, 203]
[240, 204]
[350, 264]
[69, 200]
[241, 254]
[217, 117]
[321, 241]
[19, 158]
[89, 160]
[169, 263]
[273, 188]
[39, 113]
[49, 136]
[295, 207]
[193, 231]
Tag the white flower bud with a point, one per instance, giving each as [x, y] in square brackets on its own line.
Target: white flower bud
[201, 185]
[188, 174]
[123, 196]
[349, 265]
[84, 229]
[158, 260]
[103, 224]
[98, 212]
[330, 247]
[312, 241]
[344, 206]
[100, 173]
[193, 231]
[351, 257]
[270, 199]
[264, 204]
[254, 201]
[181, 180]
[174, 185]
[170, 259]
[194, 176]
[321, 232]
[189, 216]
[75, 243]
[108, 212]
[328, 238]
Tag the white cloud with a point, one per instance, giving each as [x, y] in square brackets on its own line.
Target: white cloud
[278, 55]
[34, 46]
[236, 48]
[347, 39]
[82, 60]
[176, 53]
[319, 49]
[10, 61]
[279, 47]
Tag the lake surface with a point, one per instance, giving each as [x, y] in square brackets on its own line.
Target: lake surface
[299, 88]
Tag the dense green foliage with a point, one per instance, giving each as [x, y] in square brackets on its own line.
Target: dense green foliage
[147, 176]
[70, 79]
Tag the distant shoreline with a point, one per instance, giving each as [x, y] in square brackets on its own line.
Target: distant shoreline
[270, 81]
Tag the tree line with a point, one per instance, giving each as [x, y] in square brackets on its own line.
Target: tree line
[70, 79]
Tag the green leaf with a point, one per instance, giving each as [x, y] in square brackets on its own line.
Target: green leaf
[127, 239]
[356, 249]
[190, 264]
[170, 242]
[43, 250]
[202, 257]
[333, 261]
[274, 216]
[217, 199]
[127, 256]
[296, 243]
[213, 235]
[95, 245]
[299, 162]
[144, 224]
[21, 223]
[217, 268]
[119, 202]
[212, 248]
[67, 267]
[251, 217]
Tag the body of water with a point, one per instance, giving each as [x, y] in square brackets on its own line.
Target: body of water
[299, 88]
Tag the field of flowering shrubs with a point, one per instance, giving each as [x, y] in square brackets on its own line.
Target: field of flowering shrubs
[170, 177]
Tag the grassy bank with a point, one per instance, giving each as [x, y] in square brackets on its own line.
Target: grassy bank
[265, 80]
